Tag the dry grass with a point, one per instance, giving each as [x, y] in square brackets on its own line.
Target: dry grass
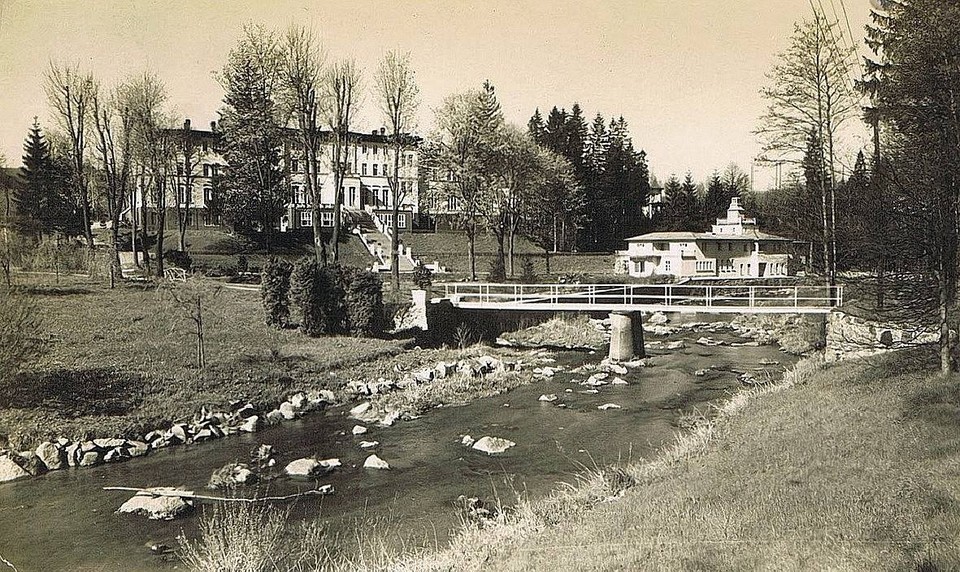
[564, 330]
[99, 341]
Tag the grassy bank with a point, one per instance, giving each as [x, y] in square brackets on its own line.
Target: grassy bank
[854, 468]
[120, 361]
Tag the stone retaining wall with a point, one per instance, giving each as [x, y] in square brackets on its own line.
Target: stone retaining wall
[849, 336]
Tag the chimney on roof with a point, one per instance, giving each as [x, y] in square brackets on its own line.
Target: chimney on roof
[186, 125]
[383, 130]
[374, 132]
[213, 126]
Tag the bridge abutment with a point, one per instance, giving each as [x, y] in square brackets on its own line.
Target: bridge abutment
[626, 336]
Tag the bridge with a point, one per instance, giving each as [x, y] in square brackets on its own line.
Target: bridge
[685, 298]
[626, 303]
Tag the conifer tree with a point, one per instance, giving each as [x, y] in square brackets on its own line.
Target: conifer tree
[43, 203]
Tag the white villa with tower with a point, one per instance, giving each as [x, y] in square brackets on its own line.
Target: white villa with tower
[734, 248]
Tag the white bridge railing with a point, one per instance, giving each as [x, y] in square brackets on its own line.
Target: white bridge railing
[644, 297]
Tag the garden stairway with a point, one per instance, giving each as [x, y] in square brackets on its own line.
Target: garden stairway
[375, 237]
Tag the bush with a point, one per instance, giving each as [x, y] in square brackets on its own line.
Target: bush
[242, 264]
[365, 304]
[422, 276]
[529, 276]
[19, 336]
[275, 292]
[497, 272]
[178, 258]
[319, 292]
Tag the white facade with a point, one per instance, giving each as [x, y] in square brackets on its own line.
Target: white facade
[733, 249]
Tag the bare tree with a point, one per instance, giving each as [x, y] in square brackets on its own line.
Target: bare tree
[811, 92]
[113, 122]
[399, 98]
[303, 71]
[188, 163]
[70, 93]
[153, 152]
[341, 100]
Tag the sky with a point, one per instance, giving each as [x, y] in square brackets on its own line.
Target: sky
[685, 74]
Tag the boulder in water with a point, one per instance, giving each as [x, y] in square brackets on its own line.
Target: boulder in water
[160, 503]
[493, 445]
[548, 397]
[607, 406]
[307, 467]
[251, 425]
[231, 476]
[52, 455]
[467, 441]
[375, 462]
[368, 444]
[359, 430]
[10, 468]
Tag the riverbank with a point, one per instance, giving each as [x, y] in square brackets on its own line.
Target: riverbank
[856, 467]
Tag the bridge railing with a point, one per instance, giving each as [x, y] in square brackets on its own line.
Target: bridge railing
[604, 296]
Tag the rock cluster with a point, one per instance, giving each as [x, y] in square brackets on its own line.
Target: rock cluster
[160, 503]
[205, 425]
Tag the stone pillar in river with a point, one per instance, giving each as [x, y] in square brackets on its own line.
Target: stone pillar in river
[626, 336]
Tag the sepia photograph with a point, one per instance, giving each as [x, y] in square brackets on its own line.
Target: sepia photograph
[462, 285]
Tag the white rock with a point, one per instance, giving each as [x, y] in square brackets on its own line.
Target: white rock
[330, 464]
[700, 372]
[302, 468]
[390, 418]
[658, 319]
[359, 430]
[618, 381]
[467, 441]
[677, 345]
[251, 425]
[10, 469]
[492, 445]
[52, 455]
[158, 506]
[375, 462]
[368, 444]
[548, 397]
[288, 410]
[606, 406]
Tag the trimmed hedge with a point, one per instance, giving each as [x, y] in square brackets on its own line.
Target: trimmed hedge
[335, 300]
[275, 292]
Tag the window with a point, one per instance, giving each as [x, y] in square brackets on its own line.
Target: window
[386, 198]
[453, 203]
[210, 220]
[374, 169]
[353, 195]
[326, 218]
[205, 146]
[207, 195]
[745, 249]
[375, 149]
[384, 169]
[306, 218]
[214, 170]
[364, 148]
[181, 195]
[666, 266]
[363, 169]
[294, 166]
[299, 196]
[401, 220]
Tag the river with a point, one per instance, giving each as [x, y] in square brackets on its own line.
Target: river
[65, 521]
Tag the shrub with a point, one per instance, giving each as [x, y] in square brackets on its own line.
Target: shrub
[529, 276]
[275, 292]
[422, 276]
[365, 304]
[319, 293]
[178, 258]
[497, 272]
[242, 264]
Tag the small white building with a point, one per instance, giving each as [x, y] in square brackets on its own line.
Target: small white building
[734, 248]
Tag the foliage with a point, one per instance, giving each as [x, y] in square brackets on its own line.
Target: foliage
[497, 271]
[681, 210]
[306, 291]
[364, 303]
[252, 190]
[529, 275]
[422, 276]
[275, 291]
[179, 259]
[19, 336]
[243, 265]
[44, 202]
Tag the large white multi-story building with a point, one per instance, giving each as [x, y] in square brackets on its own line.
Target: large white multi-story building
[369, 163]
[734, 248]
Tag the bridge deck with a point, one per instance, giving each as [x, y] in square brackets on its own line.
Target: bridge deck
[645, 298]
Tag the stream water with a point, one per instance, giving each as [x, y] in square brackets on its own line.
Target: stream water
[65, 521]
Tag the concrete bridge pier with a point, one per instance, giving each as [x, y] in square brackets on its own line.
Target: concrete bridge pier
[626, 336]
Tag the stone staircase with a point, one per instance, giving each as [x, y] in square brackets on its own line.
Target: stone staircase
[375, 235]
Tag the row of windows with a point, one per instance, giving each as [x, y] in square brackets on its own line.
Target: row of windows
[326, 219]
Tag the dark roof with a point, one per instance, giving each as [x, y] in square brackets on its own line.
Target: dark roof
[365, 137]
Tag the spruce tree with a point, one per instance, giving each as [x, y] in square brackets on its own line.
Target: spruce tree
[536, 127]
[42, 203]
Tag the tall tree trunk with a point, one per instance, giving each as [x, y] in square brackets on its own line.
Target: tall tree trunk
[143, 228]
[133, 228]
[472, 250]
[161, 226]
[337, 194]
[395, 237]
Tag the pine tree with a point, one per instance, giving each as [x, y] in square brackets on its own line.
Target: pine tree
[576, 129]
[536, 127]
[44, 204]
[555, 136]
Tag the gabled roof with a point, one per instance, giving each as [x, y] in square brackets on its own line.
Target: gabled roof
[750, 235]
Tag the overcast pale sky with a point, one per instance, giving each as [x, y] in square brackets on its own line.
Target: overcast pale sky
[684, 73]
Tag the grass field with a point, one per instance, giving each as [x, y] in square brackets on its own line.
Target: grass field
[450, 249]
[118, 361]
[855, 467]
